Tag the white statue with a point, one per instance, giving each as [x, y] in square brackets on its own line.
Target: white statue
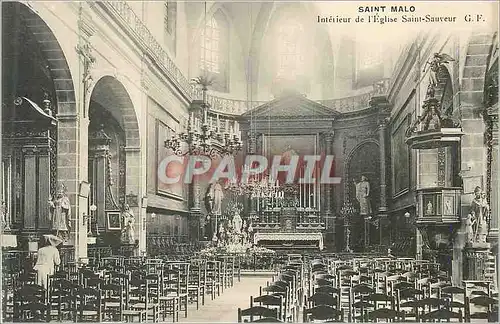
[4, 217]
[61, 212]
[363, 196]
[469, 231]
[447, 208]
[237, 222]
[429, 210]
[480, 212]
[128, 219]
[215, 196]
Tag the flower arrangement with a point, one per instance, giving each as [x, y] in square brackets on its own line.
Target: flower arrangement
[234, 249]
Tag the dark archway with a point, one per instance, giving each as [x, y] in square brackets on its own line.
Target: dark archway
[114, 158]
[364, 160]
[39, 115]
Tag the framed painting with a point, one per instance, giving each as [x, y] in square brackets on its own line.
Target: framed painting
[114, 220]
[173, 169]
[401, 155]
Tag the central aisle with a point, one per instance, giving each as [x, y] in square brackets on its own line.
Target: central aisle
[224, 308]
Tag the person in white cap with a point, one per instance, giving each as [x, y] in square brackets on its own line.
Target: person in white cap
[47, 258]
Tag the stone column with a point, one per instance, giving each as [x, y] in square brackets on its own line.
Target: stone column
[471, 105]
[251, 148]
[382, 211]
[382, 105]
[30, 180]
[491, 141]
[74, 143]
[133, 192]
[329, 214]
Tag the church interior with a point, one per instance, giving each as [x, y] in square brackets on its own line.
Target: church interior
[170, 161]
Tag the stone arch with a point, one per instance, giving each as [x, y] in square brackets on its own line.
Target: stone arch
[112, 115]
[57, 63]
[474, 71]
[63, 94]
[110, 93]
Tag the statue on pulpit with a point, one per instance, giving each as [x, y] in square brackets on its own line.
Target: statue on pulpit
[61, 212]
[128, 219]
[363, 196]
[435, 63]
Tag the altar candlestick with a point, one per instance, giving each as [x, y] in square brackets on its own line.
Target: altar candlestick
[300, 188]
[308, 195]
[227, 126]
[218, 123]
[319, 192]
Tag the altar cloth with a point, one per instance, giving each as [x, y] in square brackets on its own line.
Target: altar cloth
[289, 237]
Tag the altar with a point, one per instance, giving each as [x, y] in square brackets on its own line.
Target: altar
[276, 240]
[289, 206]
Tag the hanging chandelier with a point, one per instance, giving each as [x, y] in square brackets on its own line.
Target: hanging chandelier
[204, 136]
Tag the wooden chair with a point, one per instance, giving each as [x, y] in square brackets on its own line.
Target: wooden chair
[256, 311]
[196, 287]
[88, 305]
[321, 312]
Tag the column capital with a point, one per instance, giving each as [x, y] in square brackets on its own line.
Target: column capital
[30, 150]
[329, 135]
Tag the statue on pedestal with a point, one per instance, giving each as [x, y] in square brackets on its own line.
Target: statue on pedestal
[4, 217]
[478, 220]
[237, 222]
[61, 212]
[216, 195]
[363, 196]
[469, 231]
[128, 219]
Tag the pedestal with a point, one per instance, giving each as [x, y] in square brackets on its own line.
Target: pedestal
[475, 261]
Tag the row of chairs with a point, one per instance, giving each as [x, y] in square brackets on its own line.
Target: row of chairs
[394, 290]
[280, 300]
[122, 289]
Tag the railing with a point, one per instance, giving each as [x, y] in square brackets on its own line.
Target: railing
[238, 107]
[131, 23]
[158, 244]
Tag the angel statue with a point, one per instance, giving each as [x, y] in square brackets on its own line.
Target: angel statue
[469, 230]
[61, 212]
[438, 59]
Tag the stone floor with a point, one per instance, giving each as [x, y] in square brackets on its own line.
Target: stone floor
[224, 308]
